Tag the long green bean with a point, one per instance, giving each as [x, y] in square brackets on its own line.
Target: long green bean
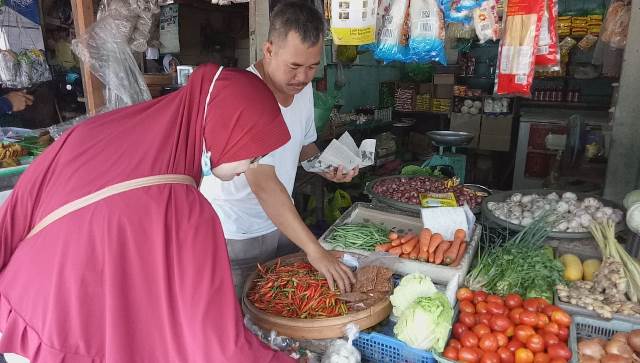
[361, 236]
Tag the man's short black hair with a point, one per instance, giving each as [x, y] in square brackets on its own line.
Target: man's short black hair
[297, 16]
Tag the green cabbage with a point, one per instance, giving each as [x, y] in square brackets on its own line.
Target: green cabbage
[425, 324]
[409, 289]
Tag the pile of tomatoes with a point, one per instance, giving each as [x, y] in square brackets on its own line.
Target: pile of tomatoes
[494, 329]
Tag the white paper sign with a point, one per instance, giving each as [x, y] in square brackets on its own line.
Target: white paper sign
[169, 29]
[342, 152]
[445, 220]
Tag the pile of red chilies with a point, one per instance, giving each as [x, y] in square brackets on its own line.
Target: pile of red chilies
[295, 291]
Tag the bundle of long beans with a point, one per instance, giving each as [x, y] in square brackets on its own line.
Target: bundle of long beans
[361, 236]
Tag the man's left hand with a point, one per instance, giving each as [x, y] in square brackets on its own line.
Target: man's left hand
[338, 175]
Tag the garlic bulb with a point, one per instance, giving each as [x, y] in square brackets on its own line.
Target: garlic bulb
[570, 196]
[553, 195]
[562, 207]
[516, 197]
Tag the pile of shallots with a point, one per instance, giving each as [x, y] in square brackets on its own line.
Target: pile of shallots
[621, 348]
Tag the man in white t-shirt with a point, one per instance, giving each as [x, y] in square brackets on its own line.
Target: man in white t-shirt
[256, 209]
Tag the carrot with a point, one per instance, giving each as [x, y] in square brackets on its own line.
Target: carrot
[404, 255]
[425, 237]
[396, 251]
[423, 255]
[435, 240]
[414, 253]
[442, 247]
[461, 251]
[407, 237]
[385, 247]
[393, 235]
[451, 254]
[432, 257]
[460, 235]
[396, 242]
[410, 245]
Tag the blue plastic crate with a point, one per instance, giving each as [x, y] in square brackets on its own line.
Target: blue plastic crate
[380, 348]
[583, 327]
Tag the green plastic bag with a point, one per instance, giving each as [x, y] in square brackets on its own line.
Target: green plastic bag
[322, 105]
[339, 201]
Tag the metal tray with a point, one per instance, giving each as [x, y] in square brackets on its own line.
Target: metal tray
[412, 208]
[450, 138]
[502, 196]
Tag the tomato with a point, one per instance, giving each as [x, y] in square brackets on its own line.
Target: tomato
[550, 339]
[454, 343]
[468, 355]
[511, 331]
[502, 339]
[490, 357]
[506, 356]
[495, 299]
[450, 353]
[549, 309]
[467, 319]
[543, 320]
[479, 296]
[531, 305]
[563, 333]
[514, 315]
[541, 357]
[464, 294]
[535, 343]
[488, 343]
[495, 308]
[560, 351]
[499, 323]
[467, 307]
[558, 360]
[561, 318]
[514, 344]
[458, 329]
[481, 329]
[469, 339]
[524, 355]
[482, 307]
[529, 318]
[484, 318]
[523, 332]
[513, 301]
[552, 328]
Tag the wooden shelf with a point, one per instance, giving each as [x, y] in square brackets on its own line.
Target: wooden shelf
[565, 105]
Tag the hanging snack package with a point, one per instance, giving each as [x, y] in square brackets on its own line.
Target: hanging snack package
[426, 40]
[353, 22]
[485, 20]
[547, 53]
[394, 36]
[516, 55]
[459, 11]
[616, 24]
[384, 8]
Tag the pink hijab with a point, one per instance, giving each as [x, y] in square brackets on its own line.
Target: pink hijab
[142, 276]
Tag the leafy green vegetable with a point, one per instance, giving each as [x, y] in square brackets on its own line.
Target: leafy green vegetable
[414, 170]
[520, 265]
[409, 289]
[425, 324]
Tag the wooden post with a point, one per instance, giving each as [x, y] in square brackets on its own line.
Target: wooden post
[258, 27]
[83, 18]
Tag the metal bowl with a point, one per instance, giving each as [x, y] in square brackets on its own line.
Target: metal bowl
[502, 196]
[450, 138]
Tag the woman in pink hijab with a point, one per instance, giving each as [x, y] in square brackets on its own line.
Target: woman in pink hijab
[108, 252]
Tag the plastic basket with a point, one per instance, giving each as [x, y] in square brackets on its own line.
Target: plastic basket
[379, 348]
[584, 327]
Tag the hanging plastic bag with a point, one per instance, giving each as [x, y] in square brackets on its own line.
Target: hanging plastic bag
[353, 22]
[394, 35]
[426, 41]
[516, 54]
[547, 52]
[459, 11]
[339, 201]
[616, 24]
[323, 103]
[341, 351]
[485, 21]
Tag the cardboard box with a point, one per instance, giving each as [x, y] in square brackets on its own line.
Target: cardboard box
[495, 133]
[443, 91]
[444, 78]
[467, 123]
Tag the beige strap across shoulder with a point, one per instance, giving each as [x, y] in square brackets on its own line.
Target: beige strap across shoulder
[109, 191]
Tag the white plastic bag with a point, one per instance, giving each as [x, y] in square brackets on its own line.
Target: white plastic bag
[341, 351]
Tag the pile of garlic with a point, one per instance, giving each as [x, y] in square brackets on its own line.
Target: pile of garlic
[571, 214]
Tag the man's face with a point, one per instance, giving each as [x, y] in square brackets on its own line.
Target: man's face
[291, 64]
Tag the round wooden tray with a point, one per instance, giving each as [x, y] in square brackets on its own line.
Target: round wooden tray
[312, 328]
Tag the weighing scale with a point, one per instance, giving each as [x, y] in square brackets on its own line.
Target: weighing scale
[450, 159]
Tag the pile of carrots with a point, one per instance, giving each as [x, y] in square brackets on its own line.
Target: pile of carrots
[427, 247]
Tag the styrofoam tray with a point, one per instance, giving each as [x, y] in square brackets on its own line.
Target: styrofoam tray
[366, 213]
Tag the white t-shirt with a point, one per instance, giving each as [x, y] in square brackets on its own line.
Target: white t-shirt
[240, 212]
